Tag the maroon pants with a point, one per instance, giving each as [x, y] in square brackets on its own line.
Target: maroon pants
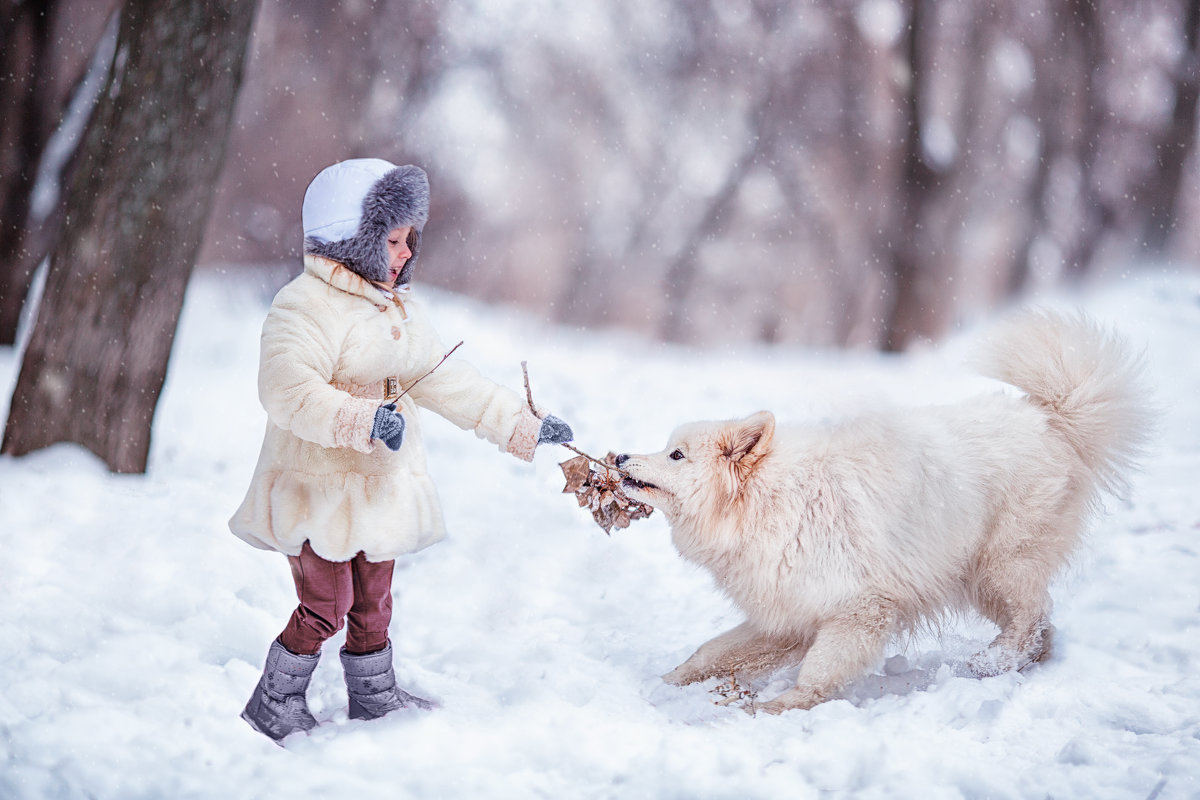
[332, 592]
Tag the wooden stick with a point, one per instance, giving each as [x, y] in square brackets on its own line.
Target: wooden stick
[572, 448]
[427, 374]
[594, 460]
[528, 391]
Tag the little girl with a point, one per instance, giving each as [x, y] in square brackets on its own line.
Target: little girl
[341, 486]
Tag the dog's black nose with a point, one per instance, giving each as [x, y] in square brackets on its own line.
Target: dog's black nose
[621, 459]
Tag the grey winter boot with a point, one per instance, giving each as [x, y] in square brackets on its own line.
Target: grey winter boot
[278, 706]
[371, 684]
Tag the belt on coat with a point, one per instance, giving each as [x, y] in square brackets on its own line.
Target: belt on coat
[386, 389]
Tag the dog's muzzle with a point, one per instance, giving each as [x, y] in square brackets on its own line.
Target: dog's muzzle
[627, 481]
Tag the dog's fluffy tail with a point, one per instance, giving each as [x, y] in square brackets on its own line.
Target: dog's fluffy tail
[1087, 379]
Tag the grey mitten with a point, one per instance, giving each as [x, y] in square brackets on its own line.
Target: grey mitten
[389, 426]
[554, 431]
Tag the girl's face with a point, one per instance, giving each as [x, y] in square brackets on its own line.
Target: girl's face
[398, 252]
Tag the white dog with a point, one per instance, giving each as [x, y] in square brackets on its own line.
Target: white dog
[831, 539]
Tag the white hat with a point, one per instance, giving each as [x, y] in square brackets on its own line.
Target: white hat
[333, 202]
[351, 206]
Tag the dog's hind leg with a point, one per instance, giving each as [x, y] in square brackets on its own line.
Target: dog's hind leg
[844, 648]
[741, 650]
[1010, 581]
[1010, 577]
[1021, 608]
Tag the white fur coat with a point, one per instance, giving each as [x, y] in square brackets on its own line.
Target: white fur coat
[329, 341]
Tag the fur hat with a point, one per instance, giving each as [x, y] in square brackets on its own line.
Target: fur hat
[351, 206]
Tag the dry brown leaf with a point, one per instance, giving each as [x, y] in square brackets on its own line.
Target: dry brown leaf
[576, 471]
[598, 489]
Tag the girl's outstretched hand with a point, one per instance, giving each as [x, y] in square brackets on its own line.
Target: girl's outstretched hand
[554, 431]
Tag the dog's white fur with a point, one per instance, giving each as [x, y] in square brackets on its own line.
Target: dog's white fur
[831, 539]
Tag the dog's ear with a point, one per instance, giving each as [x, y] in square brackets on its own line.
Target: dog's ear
[744, 445]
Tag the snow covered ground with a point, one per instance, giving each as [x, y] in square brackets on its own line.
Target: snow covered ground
[134, 625]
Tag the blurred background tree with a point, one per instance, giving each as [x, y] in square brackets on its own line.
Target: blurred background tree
[865, 173]
[49, 57]
[860, 172]
[132, 215]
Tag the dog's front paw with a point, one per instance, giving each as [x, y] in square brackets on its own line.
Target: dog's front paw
[684, 675]
[792, 699]
[773, 707]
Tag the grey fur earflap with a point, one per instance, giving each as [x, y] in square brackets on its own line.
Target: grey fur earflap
[400, 198]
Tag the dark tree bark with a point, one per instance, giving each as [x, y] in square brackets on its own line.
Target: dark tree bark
[135, 212]
[1177, 142]
[919, 184]
[1097, 215]
[47, 52]
[25, 43]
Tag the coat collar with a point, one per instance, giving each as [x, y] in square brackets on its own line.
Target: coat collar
[344, 279]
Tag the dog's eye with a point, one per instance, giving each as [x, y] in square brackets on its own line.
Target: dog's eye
[676, 455]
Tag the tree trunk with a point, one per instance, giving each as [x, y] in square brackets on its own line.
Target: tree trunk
[135, 212]
[24, 47]
[1097, 214]
[1177, 142]
[911, 294]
